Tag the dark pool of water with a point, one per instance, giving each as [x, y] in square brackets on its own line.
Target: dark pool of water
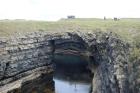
[73, 80]
[67, 78]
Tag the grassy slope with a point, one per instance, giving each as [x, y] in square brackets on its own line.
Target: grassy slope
[128, 29]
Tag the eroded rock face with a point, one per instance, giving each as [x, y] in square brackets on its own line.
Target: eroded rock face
[42, 84]
[106, 54]
[111, 74]
[134, 70]
[22, 56]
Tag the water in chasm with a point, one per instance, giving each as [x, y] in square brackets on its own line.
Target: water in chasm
[72, 78]
[71, 75]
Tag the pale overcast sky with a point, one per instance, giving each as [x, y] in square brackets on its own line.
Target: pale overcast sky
[56, 9]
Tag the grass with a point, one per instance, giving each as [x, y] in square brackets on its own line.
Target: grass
[127, 28]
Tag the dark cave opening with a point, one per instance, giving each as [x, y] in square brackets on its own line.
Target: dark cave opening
[72, 71]
[71, 74]
[72, 67]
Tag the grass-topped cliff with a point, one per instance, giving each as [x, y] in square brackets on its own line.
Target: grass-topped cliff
[128, 29]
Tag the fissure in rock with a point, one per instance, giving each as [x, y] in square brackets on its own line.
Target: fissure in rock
[32, 58]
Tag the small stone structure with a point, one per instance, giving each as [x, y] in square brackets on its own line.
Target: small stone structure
[71, 17]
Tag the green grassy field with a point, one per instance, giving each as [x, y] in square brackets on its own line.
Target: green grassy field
[128, 29]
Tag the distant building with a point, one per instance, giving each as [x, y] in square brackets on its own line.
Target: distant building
[70, 17]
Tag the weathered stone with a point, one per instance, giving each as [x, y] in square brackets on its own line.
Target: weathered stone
[106, 54]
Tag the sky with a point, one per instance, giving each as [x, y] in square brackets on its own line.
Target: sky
[55, 9]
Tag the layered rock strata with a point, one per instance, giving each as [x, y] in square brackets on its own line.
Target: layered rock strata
[106, 54]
